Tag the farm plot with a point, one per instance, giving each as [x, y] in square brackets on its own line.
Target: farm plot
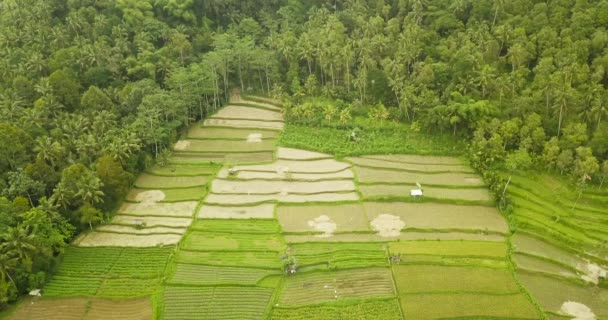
[81, 308]
[552, 293]
[226, 146]
[148, 181]
[301, 155]
[257, 124]
[317, 287]
[369, 175]
[257, 259]
[261, 102]
[109, 239]
[372, 309]
[415, 279]
[533, 246]
[323, 219]
[394, 190]
[140, 230]
[151, 222]
[339, 255]
[388, 218]
[412, 167]
[261, 211]
[232, 242]
[201, 275]
[416, 159]
[468, 306]
[475, 249]
[295, 166]
[253, 226]
[248, 113]
[345, 174]
[162, 209]
[215, 303]
[403, 235]
[108, 272]
[207, 158]
[242, 199]
[182, 170]
[167, 195]
[205, 133]
[535, 264]
[220, 186]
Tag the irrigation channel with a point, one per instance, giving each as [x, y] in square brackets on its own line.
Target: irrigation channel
[235, 227]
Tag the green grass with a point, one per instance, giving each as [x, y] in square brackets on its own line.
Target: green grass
[390, 138]
[475, 249]
[453, 279]
[551, 293]
[201, 275]
[206, 241]
[385, 309]
[265, 259]
[228, 146]
[468, 306]
[229, 133]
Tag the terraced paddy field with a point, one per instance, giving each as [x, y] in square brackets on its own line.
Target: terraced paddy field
[559, 246]
[235, 227]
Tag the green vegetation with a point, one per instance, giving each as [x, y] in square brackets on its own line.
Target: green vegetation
[371, 139]
[387, 309]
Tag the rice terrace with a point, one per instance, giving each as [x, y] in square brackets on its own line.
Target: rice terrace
[295, 234]
[296, 160]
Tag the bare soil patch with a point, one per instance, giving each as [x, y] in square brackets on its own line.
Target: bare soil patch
[470, 194]
[387, 225]
[323, 224]
[182, 145]
[262, 211]
[254, 138]
[578, 310]
[372, 175]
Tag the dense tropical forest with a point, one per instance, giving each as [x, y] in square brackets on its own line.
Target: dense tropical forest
[94, 92]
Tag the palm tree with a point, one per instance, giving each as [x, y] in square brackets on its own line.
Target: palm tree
[61, 197]
[48, 150]
[20, 242]
[89, 189]
[485, 77]
[8, 263]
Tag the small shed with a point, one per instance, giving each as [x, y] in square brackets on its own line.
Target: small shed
[416, 193]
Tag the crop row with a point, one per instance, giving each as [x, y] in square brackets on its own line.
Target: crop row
[215, 302]
[318, 287]
[233, 242]
[256, 226]
[192, 274]
[361, 310]
[266, 260]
